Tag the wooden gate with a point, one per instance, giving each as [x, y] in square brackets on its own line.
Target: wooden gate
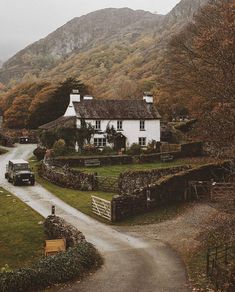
[101, 207]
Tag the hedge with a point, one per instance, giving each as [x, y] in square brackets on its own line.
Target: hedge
[80, 258]
[60, 268]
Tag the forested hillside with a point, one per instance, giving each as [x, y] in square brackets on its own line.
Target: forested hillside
[110, 45]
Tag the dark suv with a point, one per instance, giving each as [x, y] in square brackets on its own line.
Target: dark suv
[18, 172]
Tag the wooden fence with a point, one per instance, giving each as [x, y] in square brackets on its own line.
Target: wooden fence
[107, 183]
[101, 207]
[219, 262]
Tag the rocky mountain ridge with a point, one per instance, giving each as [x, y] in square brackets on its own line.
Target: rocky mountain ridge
[85, 34]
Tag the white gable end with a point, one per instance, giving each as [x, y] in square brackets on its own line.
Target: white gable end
[70, 111]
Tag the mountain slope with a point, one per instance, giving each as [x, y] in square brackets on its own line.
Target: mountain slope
[110, 49]
[78, 35]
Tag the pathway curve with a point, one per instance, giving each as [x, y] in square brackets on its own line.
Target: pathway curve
[131, 263]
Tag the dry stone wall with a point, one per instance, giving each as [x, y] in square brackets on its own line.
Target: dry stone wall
[56, 227]
[165, 191]
[68, 178]
[131, 182]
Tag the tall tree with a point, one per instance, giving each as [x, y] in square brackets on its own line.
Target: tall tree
[200, 60]
[199, 69]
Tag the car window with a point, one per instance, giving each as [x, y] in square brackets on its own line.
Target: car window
[20, 166]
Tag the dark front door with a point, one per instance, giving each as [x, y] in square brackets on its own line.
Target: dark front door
[120, 143]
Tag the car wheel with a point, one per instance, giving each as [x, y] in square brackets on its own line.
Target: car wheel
[32, 183]
[14, 182]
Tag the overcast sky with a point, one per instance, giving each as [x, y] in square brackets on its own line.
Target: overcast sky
[25, 21]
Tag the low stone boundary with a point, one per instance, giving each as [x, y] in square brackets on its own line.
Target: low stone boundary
[167, 190]
[104, 160]
[56, 227]
[68, 178]
[131, 181]
[193, 149]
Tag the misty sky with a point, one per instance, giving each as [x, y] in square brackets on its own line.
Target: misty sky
[25, 21]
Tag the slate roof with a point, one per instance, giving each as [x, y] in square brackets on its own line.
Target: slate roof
[116, 109]
[62, 122]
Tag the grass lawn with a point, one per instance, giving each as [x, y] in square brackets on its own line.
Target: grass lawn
[115, 170]
[3, 151]
[77, 199]
[22, 237]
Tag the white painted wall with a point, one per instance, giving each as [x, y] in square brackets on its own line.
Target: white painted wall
[131, 129]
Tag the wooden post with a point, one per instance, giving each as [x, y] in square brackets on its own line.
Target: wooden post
[208, 262]
[53, 210]
[226, 254]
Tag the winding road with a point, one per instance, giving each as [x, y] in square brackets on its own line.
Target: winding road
[131, 264]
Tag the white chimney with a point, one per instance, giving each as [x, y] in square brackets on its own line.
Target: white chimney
[74, 97]
[87, 97]
[148, 97]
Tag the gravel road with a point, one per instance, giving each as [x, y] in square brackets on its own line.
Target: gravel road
[132, 264]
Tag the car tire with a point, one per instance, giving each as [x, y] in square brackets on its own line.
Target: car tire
[32, 183]
[14, 182]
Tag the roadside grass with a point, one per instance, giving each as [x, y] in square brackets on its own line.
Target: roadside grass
[3, 151]
[78, 199]
[22, 237]
[115, 170]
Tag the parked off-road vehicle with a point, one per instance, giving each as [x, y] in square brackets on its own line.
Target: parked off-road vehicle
[18, 172]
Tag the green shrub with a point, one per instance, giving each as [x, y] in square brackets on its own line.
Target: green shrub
[60, 268]
[90, 149]
[59, 147]
[135, 149]
[107, 150]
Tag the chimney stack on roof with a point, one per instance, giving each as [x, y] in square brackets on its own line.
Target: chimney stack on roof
[148, 97]
[74, 97]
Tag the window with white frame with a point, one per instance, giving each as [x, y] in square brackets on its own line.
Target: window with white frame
[97, 125]
[100, 142]
[142, 141]
[119, 125]
[142, 125]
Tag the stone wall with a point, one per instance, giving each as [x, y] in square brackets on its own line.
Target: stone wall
[193, 149]
[56, 228]
[167, 190]
[131, 181]
[104, 160]
[185, 150]
[68, 178]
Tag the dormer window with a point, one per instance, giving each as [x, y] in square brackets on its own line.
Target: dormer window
[119, 125]
[97, 125]
[142, 125]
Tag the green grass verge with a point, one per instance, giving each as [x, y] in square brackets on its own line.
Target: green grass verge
[22, 237]
[115, 170]
[77, 199]
[3, 151]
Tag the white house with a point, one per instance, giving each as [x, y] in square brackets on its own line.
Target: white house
[137, 121]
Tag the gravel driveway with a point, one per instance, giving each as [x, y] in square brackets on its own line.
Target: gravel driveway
[132, 264]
